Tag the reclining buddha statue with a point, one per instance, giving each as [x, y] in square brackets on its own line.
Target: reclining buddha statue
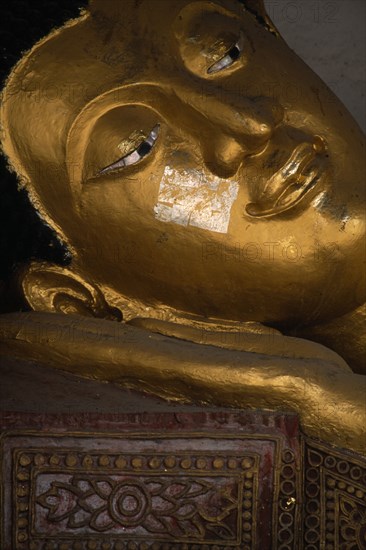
[215, 226]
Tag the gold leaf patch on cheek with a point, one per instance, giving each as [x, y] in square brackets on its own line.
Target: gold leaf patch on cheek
[191, 198]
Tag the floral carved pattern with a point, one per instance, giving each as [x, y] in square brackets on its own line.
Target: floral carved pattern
[185, 507]
[76, 499]
[174, 489]
[233, 492]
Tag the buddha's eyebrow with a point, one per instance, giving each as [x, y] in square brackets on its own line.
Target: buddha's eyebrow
[136, 155]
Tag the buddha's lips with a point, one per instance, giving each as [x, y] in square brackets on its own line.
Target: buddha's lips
[289, 185]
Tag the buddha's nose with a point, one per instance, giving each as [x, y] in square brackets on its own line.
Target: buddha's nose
[237, 127]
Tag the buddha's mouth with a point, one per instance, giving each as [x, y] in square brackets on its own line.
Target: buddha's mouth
[293, 182]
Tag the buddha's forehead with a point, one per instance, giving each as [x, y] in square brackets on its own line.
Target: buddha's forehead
[158, 24]
[120, 38]
[119, 42]
[156, 13]
[115, 45]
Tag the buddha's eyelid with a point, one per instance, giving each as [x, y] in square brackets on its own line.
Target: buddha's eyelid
[229, 59]
[136, 155]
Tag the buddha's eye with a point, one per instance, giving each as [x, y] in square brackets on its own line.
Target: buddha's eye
[136, 155]
[232, 55]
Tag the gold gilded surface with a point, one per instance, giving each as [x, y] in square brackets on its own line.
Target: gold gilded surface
[212, 213]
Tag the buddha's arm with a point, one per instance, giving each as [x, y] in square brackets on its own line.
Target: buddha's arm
[345, 335]
[265, 342]
[330, 400]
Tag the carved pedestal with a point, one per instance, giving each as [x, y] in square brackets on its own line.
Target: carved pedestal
[187, 481]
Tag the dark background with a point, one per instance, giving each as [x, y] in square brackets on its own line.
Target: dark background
[23, 236]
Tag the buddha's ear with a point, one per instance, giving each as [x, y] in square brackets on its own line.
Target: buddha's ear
[51, 288]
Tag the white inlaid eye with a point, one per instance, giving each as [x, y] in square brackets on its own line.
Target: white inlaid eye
[229, 58]
[136, 155]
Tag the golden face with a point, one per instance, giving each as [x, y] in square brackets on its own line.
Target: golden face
[191, 159]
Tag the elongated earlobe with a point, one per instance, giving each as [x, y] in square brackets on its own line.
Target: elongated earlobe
[51, 288]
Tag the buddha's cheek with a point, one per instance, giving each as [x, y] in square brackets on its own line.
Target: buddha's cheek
[190, 197]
